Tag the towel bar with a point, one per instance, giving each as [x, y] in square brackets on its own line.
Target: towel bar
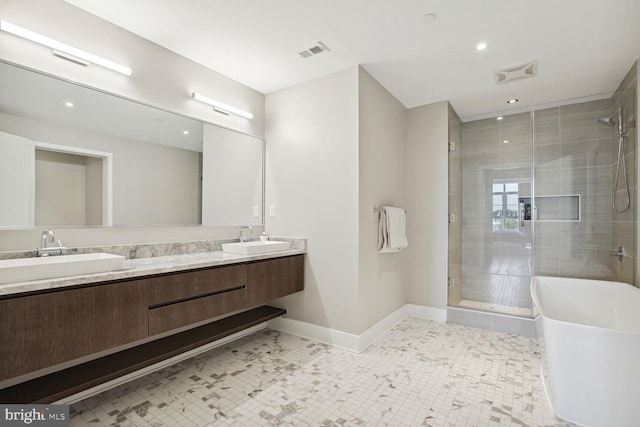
[380, 210]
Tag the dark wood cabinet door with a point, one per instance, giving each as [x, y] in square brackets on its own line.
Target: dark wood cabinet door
[275, 278]
[43, 330]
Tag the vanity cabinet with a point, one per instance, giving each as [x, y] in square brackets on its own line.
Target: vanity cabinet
[43, 330]
[183, 310]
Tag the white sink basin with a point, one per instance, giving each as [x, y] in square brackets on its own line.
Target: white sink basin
[27, 269]
[255, 247]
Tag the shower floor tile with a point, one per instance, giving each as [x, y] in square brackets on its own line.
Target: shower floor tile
[421, 373]
[507, 294]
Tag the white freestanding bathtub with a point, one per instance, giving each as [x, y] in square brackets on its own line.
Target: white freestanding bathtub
[591, 335]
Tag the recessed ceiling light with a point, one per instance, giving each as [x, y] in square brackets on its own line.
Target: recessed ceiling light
[68, 104]
[512, 101]
[186, 132]
[499, 118]
[481, 46]
[505, 141]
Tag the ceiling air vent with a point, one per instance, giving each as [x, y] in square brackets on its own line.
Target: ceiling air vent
[525, 71]
[314, 50]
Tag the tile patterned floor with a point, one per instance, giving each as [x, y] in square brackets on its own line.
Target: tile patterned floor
[421, 373]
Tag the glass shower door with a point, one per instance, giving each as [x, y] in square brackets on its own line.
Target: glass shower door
[497, 226]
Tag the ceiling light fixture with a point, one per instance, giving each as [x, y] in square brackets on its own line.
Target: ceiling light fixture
[63, 50]
[221, 107]
[499, 118]
[512, 101]
[68, 104]
[186, 132]
[481, 46]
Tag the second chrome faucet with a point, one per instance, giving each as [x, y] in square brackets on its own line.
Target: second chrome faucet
[243, 234]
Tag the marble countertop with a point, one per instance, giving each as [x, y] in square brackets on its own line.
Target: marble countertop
[140, 267]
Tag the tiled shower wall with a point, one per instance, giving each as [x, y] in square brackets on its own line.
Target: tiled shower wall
[455, 208]
[572, 156]
[624, 224]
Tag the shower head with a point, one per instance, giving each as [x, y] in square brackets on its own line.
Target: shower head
[608, 121]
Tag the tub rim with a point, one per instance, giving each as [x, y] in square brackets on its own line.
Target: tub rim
[540, 313]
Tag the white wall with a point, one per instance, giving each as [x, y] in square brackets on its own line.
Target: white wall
[312, 180]
[427, 204]
[382, 166]
[160, 78]
[335, 150]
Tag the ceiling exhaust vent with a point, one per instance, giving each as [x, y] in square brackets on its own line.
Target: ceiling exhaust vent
[525, 71]
[314, 50]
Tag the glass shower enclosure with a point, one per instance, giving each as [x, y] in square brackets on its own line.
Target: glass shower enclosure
[532, 194]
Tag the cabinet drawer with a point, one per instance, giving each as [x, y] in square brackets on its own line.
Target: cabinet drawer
[181, 286]
[173, 316]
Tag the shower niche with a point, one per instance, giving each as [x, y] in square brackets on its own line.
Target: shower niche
[550, 208]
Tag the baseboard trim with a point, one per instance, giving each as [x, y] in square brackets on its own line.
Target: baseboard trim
[310, 331]
[352, 342]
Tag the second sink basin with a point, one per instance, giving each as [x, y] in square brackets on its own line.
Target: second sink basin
[27, 269]
[255, 247]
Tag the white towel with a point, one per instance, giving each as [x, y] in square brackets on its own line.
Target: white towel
[392, 225]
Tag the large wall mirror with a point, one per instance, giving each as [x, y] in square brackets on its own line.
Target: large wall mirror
[75, 156]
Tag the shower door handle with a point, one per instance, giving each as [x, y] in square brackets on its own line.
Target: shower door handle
[521, 213]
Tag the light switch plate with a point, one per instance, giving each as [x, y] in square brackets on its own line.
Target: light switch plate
[272, 211]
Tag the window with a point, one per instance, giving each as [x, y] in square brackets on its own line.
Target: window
[505, 206]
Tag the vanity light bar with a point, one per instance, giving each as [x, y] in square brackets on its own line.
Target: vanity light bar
[221, 107]
[80, 56]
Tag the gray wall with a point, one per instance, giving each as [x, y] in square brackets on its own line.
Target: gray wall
[625, 224]
[427, 204]
[573, 155]
[382, 181]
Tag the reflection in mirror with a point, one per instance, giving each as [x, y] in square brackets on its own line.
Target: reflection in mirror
[157, 162]
[239, 200]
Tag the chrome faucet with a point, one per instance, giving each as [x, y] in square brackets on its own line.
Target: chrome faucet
[48, 236]
[243, 235]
